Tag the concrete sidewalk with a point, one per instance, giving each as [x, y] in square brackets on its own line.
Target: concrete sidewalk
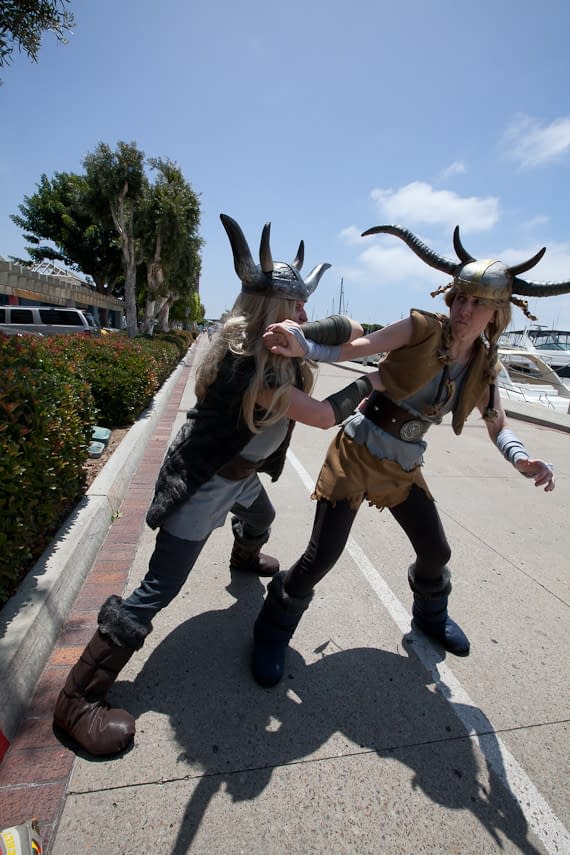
[374, 743]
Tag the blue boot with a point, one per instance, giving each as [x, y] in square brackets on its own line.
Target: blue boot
[273, 630]
[430, 612]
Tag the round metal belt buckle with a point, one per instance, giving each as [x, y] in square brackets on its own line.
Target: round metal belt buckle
[412, 431]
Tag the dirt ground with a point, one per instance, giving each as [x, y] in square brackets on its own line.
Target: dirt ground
[95, 464]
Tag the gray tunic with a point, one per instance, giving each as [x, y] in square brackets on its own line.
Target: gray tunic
[208, 507]
[387, 447]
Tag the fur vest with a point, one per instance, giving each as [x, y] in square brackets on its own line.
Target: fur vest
[213, 433]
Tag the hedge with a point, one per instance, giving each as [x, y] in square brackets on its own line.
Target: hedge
[52, 391]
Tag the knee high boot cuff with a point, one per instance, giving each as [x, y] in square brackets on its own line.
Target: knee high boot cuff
[246, 553]
[430, 588]
[241, 537]
[273, 630]
[120, 627]
[284, 608]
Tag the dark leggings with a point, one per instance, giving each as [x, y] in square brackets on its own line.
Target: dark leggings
[417, 515]
[173, 559]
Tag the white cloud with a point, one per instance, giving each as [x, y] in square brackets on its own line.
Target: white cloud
[455, 168]
[381, 265]
[536, 222]
[418, 202]
[531, 144]
[351, 235]
[553, 267]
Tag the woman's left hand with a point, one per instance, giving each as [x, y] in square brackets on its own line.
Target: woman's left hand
[543, 473]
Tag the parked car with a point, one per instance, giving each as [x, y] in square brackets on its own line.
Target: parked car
[46, 320]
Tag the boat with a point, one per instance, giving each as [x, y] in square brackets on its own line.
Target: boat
[553, 346]
[537, 384]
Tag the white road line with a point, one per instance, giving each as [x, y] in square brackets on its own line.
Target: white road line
[536, 810]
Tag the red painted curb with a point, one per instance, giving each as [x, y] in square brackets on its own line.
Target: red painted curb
[4, 746]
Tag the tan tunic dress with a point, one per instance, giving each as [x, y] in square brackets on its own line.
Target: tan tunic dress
[363, 462]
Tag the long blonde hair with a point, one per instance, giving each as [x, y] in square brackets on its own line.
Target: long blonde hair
[241, 334]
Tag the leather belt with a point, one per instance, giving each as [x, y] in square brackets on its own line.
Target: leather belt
[393, 419]
[237, 468]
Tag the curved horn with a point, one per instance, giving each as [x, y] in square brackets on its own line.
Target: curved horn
[526, 265]
[243, 260]
[462, 253]
[540, 289]
[424, 252]
[265, 257]
[313, 278]
[536, 289]
[300, 257]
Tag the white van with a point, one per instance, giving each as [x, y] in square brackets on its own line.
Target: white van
[46, 320]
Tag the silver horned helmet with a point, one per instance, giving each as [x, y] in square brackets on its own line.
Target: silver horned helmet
[270, 278]
[487, 278]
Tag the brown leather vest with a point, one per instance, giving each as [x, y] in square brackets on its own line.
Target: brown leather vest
[407, 369]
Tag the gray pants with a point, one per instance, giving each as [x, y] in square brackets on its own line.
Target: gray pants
[173, 559]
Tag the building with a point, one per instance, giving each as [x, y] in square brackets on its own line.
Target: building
[47, 284]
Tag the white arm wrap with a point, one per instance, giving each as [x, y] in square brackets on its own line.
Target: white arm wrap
[318, 352]
[323, 352]
[511, 447]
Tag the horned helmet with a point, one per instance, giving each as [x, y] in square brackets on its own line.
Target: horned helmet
[270, 278]
[487, 278]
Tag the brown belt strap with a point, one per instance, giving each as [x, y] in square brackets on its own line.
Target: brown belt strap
[393, 419]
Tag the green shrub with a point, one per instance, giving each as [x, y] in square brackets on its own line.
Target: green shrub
[177, 338]
[124, 374]
[52, 391]
[46, 413]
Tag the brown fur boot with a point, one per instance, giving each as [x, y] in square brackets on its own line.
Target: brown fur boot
[81, 710]
[247, 557]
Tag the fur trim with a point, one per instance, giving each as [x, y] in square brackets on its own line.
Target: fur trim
[248, 544]
[286, 603]
[119, 626]
[430, 587]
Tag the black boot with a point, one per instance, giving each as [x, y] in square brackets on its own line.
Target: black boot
[273, 630]
[430, 612]
[247, 556]
[81, 710]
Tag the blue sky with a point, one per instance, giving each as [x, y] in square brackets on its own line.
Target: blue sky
[324, 118]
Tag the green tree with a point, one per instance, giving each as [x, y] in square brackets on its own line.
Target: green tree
[118, 185]
[169, 223]
[59, 211]
[23, 23]
[113, 224]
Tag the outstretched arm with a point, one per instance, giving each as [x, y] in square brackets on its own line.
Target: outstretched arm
[513, 449]
[333, 409]
[287, 339]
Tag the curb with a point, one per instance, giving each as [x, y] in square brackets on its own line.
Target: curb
[532, 413]
[32, 619]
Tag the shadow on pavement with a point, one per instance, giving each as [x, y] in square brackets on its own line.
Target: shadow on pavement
[233, 734]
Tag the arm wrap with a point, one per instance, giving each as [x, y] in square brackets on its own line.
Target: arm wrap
[318, 352]
[511, 447]
[345, 401]
[335, 329]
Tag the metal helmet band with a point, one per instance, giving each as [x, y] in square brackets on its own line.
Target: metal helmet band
[487, 279]
[270, 278]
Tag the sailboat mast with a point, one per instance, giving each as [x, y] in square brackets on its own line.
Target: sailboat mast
[341, 307]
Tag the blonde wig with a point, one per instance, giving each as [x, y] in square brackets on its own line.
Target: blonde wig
[241, 335]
